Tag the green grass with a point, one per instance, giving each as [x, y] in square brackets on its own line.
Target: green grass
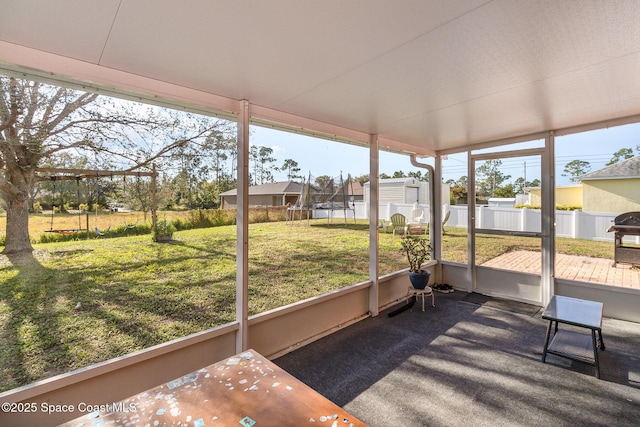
[135, 293]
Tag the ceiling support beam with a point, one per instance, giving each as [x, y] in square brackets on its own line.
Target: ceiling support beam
[287, 122]
[598, 125]
[93, 173]
[269, 118]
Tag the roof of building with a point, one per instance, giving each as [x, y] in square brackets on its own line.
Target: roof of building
[625, 169]
[284, 187]
[358, 189]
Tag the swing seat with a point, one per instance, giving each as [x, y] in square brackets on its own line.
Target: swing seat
[72, 231]
[102, 233]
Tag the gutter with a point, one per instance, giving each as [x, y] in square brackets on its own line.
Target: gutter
[434, 226]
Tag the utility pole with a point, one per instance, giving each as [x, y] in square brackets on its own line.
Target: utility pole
[525, 177]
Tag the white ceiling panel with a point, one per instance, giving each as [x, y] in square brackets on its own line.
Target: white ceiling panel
[456, 66]
[432, 74]
[73, 28]
[264, 50]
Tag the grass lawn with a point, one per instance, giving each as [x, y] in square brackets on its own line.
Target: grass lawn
[135, 293]
[43, 222]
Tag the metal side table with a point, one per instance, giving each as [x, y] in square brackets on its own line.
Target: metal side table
[572, 344]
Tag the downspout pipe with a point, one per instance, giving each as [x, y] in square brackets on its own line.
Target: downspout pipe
[434, 222]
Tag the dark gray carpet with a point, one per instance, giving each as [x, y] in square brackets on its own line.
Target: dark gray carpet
[463, 364]
[501, 304]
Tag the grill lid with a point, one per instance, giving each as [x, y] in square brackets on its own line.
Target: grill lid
[628, 223]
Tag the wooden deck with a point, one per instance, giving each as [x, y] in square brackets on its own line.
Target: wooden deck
[572, 267]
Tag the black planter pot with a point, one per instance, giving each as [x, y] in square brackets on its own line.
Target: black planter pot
[420, 280]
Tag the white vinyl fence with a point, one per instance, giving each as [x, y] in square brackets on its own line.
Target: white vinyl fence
[571, 224]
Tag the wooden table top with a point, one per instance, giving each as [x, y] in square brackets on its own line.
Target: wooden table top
[244, 390]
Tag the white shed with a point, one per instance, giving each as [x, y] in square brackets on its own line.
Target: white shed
[400, 190]
[502, 201]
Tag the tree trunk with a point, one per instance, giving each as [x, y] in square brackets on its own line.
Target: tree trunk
[16, 196]
[17, 238]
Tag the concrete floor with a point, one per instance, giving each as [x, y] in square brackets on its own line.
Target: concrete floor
[470, 364]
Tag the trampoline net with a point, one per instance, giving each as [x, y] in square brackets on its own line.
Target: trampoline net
[326, 192]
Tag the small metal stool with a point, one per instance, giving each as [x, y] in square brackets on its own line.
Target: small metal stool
[421, 292]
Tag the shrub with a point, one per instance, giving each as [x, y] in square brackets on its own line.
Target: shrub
[558, 207]
[268, 214]
[204, 218]
[163, 227]
[60, 237]
[568, 208]
[37, 207]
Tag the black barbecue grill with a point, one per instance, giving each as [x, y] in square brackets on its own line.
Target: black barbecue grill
[626, 224]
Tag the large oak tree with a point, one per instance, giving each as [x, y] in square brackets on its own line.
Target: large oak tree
[39, 122]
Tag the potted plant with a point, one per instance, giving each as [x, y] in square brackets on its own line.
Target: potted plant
[164, 231]
[418, 252]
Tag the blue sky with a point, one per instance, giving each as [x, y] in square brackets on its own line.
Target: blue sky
[323, 157]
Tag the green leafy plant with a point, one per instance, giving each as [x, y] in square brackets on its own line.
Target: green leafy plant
[164, 227]
[418, 251]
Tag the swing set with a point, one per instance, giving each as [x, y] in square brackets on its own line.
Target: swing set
[59, 174]
[53, 210]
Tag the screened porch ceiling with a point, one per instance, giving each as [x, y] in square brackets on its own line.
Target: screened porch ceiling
[425, 76]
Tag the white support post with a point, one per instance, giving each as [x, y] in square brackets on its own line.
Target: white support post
[471, 222]
[242, 230]
[374, 157]
[548, 210]
[438, 212]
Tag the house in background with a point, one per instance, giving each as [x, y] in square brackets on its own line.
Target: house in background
[270, 194]
[356, 191]
[566, 195]
[615, 188]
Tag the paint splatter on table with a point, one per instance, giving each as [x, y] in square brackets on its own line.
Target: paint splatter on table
[245, 390]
